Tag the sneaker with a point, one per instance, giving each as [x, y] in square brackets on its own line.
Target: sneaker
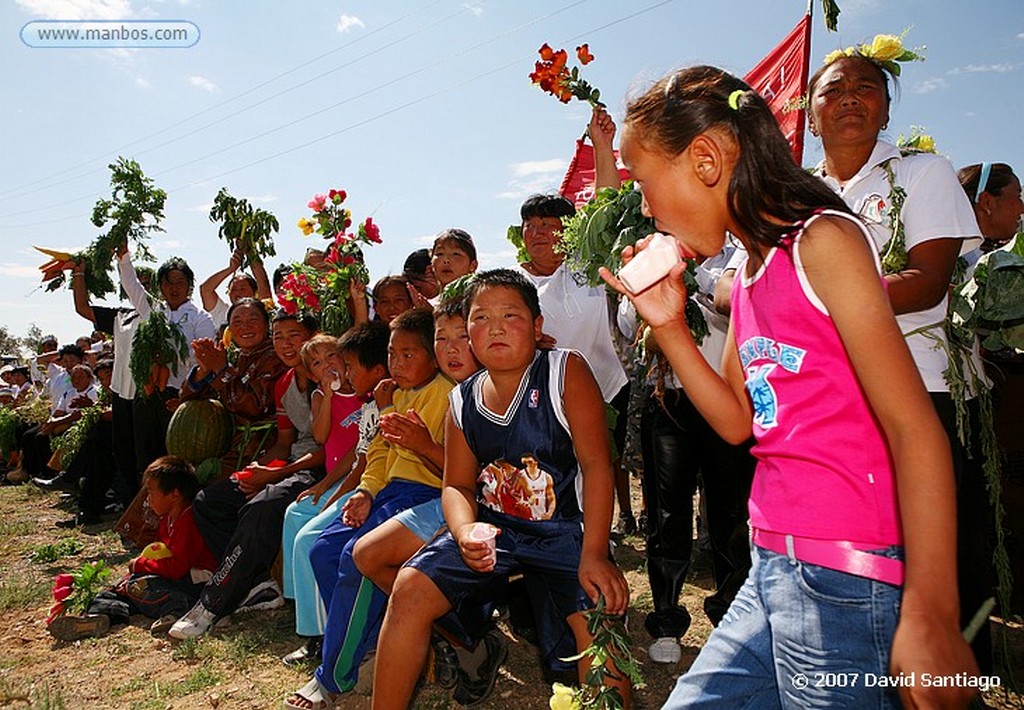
[312, 650]
[60, 482]
[665, 650]
[195, 623]
[162, 625]
[70, 627]
[473, 690]
[446, 662]
[265, 595]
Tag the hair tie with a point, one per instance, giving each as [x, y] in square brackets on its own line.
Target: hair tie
[986, 170]
[734, 99]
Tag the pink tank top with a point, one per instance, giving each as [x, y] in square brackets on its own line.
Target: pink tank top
[344, 428]
[824, 470]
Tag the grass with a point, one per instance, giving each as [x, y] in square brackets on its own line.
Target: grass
[65, 547]
[21, 594]
[10, 529]
[36, 699]
[200, 679]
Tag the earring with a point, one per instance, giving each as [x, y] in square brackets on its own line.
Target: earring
[885, 125]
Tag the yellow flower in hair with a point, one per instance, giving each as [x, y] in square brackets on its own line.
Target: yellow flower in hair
[833, 56]
[884, 48]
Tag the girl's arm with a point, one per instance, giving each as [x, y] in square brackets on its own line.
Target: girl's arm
[928, 637]
[589, 431]
[133, 288]
[208, 289]
[320, 406]
[725, 406]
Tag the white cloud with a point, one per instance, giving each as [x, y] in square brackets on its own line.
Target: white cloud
[929, 85]
[347, 22]
[205, 207]
[263, 199]
[142, 83]
[1001, 68]
[534, 167]
[475, 8]
[78, 9]
[18, 271]
[1020, 36]
[167, 244]
[202, 83]
[496, 259]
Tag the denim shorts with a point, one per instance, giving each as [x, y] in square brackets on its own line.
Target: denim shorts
[797, 636]
[423, 520]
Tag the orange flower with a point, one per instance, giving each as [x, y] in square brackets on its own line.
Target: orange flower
[546, 53]
[584, 55]
[561, 57]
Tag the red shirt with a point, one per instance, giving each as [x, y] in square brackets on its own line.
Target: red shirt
[188, 549]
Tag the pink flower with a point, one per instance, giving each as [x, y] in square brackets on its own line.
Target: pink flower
[61, 593]
[317, 203]
[63, 580]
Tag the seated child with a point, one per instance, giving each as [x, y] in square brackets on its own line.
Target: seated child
[516, 407]
[381, 553]
[345, 424]
[159, 583]
[395, 478]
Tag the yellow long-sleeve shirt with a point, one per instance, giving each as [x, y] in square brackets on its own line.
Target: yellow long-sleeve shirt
[386, 461]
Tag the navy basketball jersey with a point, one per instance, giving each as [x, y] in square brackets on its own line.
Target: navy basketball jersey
[528, 466]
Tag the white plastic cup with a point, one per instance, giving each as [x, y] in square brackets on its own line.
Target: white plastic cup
[482, 532]
[650, 265]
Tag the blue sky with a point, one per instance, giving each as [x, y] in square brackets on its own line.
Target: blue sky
[421, 110]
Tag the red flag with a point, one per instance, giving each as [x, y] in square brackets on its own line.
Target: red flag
[781, 78]
[578, 183]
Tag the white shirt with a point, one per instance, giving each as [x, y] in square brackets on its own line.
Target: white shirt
[192, 321]
[64, 403]
[578, 317]
[936, 207]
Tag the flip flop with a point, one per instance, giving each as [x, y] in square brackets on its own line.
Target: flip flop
[314, 694]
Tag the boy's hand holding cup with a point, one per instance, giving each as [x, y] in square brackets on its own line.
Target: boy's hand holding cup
[479, 546]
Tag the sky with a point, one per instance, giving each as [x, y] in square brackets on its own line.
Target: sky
[421, 110]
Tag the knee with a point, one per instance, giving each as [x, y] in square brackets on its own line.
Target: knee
[415, 597]
[367, 557]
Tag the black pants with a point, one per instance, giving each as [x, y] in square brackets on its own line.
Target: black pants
[678, 446]
[146, 594]
[975, 523]
[94, 467]
[244, 535]
[126, 479]
[150, 418]
[35, 447]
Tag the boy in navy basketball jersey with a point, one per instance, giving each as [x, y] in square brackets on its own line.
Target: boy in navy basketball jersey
[508, 426]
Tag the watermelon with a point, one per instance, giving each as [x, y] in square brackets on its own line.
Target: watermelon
[200, 429]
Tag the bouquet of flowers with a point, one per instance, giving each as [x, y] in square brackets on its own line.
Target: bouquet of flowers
[325, 288]
[73, 593]
[553, 75]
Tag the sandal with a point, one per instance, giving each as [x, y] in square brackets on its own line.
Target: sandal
[312, 696]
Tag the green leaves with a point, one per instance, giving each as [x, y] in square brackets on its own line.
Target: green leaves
[831, 11]
[244, 227]
[991, 303]
[88, 582]
[156, 343]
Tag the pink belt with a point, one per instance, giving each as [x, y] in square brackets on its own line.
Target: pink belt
[839, 555]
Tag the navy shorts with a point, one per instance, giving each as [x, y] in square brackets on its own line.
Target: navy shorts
[547, 554]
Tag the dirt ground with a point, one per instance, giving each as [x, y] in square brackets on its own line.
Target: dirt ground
[237, 666]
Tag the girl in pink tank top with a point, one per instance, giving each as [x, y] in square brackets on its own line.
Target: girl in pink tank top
[818, 371]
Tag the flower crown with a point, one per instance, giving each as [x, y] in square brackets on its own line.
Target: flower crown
[887, 51]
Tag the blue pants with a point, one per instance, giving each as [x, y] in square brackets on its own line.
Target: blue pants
[796, 636]
[355, 606]
[303, 523]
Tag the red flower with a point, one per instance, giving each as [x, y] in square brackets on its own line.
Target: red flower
[63, 580]
[61, 593]
[546, 53]
[55, 611]
[337, 196]
[584, 55]
[372, 230]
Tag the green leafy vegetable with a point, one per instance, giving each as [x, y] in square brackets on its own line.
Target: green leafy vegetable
[991, 303]
[158, 348]
[244, 227]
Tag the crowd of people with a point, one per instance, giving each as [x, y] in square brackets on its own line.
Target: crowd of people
[459, 448]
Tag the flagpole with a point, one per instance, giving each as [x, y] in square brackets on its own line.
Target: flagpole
[804, 78]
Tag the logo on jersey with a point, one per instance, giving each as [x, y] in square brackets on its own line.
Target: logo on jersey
[534, 398]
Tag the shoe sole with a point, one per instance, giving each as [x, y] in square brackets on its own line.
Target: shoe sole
[74, 628]
[275, 603]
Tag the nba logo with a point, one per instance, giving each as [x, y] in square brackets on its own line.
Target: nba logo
[534, 399]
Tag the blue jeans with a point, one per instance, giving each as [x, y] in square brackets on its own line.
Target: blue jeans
[797, 636]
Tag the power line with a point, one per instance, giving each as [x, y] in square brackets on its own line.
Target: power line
[393, 110]
[208, 109]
